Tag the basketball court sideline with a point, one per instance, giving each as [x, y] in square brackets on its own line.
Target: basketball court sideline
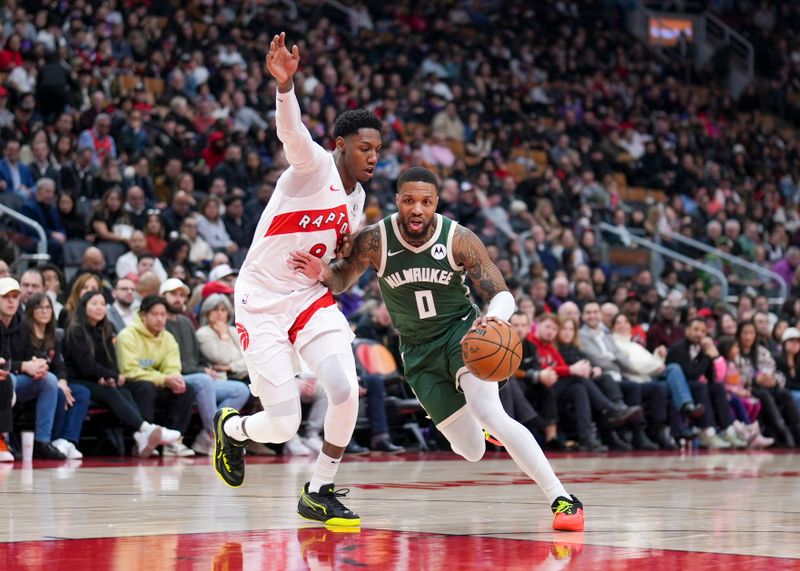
[419, 511]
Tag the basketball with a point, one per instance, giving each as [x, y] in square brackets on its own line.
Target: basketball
[492, 354]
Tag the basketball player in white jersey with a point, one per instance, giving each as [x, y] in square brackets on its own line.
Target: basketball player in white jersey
[316, 204]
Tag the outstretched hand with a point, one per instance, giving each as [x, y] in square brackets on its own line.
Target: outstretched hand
[308, 265]
[282, 63]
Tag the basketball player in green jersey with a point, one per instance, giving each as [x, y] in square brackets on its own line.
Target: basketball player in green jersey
[422, 260]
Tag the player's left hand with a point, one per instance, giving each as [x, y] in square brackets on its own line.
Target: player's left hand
[483, 322]
[345, 247]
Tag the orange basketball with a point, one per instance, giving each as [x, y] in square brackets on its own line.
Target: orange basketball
[492, 354]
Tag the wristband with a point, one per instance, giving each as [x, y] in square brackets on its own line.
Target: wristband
[501, 306]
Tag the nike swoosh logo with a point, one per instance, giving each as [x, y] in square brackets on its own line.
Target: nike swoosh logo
[465, 317]
[332, 189]
[390, 254]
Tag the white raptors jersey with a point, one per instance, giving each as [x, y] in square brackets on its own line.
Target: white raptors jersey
[312, 223]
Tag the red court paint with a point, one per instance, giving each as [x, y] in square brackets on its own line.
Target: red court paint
[321, 548]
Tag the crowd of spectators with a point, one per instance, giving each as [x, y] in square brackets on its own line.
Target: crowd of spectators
[141, 137]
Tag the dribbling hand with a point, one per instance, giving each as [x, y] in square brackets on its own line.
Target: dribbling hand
[482, 322]
[282, 63]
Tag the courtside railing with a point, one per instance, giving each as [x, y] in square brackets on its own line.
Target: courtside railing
[628, 237]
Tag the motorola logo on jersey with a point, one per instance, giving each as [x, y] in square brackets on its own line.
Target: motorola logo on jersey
[439, 252]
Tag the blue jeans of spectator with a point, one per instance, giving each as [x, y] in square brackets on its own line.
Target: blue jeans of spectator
[68, 423]
[376, 404]
[679, 392]
[210, 394]
[45, 391]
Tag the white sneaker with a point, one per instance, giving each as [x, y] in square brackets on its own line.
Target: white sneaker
[74, 453]
[203, 444]
[68, 449]
[146, 440]
[62, 446]
[178, 449]
[761, 441]
[729, 435]
[295, 447]
[6, 456]
[314, 443]
[168, 435]
[710, 439]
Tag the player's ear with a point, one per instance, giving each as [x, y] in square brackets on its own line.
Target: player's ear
[340, 144]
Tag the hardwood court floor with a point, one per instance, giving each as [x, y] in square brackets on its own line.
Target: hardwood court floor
[430, 512]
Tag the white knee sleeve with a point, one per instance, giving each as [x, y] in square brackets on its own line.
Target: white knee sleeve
[464, 435]
[277, 423]
[337, 374]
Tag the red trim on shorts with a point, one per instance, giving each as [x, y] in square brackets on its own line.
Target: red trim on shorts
[305, 316]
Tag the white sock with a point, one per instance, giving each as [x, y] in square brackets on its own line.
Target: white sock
[324, 472]
[233, 427]
[484, 402]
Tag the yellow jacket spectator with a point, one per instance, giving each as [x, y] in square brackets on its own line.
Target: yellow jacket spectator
[150, 361]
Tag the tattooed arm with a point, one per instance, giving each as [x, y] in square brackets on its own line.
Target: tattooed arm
[469, 251]
[342, 273]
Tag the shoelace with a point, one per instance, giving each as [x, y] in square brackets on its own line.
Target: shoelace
[336, 494]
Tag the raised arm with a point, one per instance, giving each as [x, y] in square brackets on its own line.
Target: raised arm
[344, 272]
[301, 150]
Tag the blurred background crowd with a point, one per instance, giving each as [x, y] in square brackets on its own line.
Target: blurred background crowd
[141, 136]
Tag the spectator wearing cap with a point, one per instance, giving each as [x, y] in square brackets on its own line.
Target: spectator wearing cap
[15, 177]
[149, 359]
[129, 261]
[209, 394]
[223, 273]
[31, 377]
[211, 226]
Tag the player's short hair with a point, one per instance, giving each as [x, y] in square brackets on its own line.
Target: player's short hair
[353, 120]
[417, 174]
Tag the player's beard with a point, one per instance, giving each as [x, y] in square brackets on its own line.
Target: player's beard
[422, 233]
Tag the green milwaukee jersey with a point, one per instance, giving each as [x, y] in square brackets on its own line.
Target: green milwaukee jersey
[423, 287]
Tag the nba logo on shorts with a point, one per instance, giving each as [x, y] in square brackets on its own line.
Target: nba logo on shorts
[439, 251]
[244, 336]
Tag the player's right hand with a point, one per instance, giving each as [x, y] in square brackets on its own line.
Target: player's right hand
[308, 265]
[281, 63]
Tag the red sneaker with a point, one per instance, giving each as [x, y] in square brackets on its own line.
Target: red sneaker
[5, 453]
[568, 514]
